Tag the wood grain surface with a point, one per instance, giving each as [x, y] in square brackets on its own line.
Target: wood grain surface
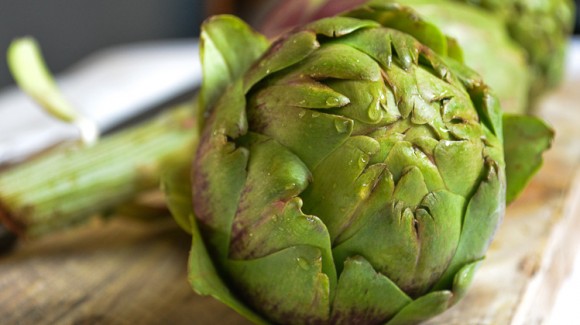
[128, 272]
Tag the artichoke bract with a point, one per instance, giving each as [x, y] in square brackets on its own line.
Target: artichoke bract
[352, 172]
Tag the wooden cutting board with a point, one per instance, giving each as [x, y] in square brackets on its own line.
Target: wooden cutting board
[127, 272]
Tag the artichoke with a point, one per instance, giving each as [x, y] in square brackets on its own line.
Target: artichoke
[350, 172]
[542, 28]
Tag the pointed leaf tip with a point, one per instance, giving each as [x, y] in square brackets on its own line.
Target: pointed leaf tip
[228, 48]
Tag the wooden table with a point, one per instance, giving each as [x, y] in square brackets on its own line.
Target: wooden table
[127, 272]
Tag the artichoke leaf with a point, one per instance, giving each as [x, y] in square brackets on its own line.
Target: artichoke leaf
[467, 154]
[218, 172]
[272, 239]
[381, 193]
[304, 93]
[364, 296]
[525, 139]
[339, 26]
[339, 61]
[228, 48]
[204, 278]
[287, 125]
[367, 99]
[178, 197]
[334, 199]
[269, 216]
[423, 308]
[403, 154]
[374, 42]
[286, 285]
[220, 167]
[486, 104]
[285, 52]
[482, 217]
[462, 281]
[454, 50]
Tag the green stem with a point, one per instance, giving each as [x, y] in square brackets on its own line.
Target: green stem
[66, 187]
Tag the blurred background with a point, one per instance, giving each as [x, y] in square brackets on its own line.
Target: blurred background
[70, 30]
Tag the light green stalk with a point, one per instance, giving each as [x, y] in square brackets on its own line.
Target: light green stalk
[66, 187]
[33, 77]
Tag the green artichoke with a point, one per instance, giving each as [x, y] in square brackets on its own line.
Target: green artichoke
[351, 172]
[542, 28]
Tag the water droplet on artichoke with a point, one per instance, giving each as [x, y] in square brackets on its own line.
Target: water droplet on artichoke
[374, 112]
[341, 126]
[302, 262]
[332, 101]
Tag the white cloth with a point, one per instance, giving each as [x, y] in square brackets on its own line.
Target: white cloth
[109, 87]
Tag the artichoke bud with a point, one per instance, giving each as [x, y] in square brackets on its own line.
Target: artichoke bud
[350, 174]
[542, 28]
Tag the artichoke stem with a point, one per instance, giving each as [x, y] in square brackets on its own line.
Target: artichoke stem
[66, 187]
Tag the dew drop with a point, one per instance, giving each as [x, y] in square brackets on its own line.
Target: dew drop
[332, 101]
[315, 114]
[374, 113]
[341, 126]
[362, 162]
[303, 263]
[301, 114]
